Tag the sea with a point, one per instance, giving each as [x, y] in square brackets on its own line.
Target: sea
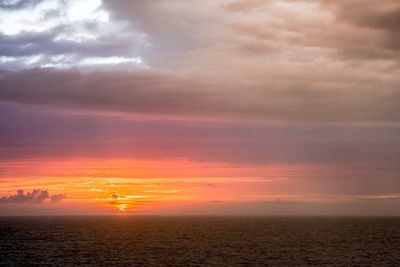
[199, 241]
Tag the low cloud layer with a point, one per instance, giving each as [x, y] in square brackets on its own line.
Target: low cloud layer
[37, 196]
[54, 133]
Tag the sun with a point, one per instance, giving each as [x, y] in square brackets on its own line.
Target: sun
[122, 207]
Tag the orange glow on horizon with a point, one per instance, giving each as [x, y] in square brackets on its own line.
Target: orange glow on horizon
[131, 185]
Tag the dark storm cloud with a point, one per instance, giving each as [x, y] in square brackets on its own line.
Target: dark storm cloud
[37, 196]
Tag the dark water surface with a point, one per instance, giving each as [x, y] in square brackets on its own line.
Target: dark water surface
[174, 241]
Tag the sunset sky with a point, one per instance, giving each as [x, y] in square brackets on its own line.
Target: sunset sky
[231, 107]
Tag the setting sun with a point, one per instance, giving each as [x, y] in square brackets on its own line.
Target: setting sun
[122, 207]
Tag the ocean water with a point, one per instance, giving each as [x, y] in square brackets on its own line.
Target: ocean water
[198, 241]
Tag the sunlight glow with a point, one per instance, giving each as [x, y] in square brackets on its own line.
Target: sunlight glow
[110, 60]
[122, 207]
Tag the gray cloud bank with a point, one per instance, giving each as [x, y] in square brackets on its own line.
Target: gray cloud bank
[37, 196]
[157, 93]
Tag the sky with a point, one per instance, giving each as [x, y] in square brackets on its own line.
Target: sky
[231, 107]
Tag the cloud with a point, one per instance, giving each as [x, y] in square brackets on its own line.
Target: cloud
[243, 6]
[57, 198]
[356, 31]
[382, 18]
[166, 94]
[37, 196]
[172, 27]
[40, 132]
[15, 5]
[115, 195]
[382, 15]
[63, 34]
[341, 30]
[228, 60]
